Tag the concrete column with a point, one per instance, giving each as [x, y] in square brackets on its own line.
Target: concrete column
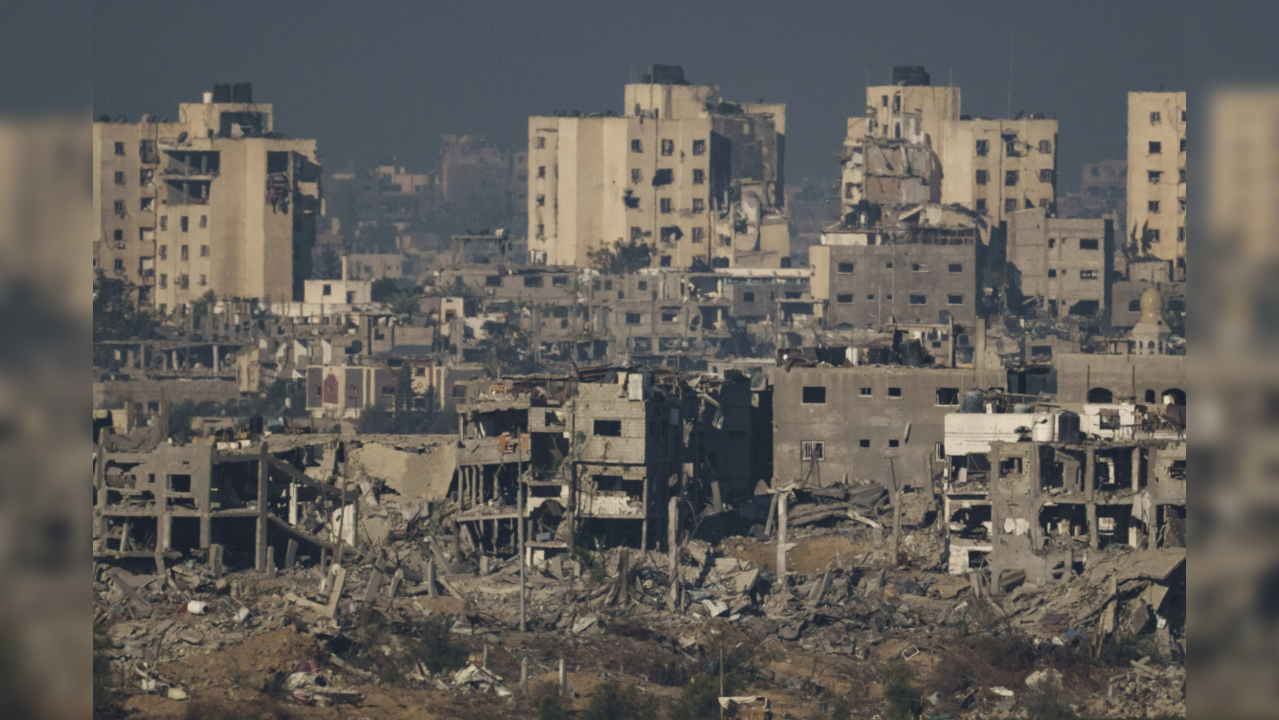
[216, 360]
[1136, 468]
[524, 674]
[1090, 491]
[781, 538]
[563, 679]
[261, 540]
[293, 504]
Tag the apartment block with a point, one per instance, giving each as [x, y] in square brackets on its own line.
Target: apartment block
[1157, 174]
[217, 201]
[661, 175]
[925, 275]
[1064, 265]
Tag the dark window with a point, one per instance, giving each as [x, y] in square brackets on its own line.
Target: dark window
[664, 261]
[1153, 206]
[698, 205]
[119, 148]
[982, 177]
[844, 298]
[117, 234]
[642, 284]
[1089, 244]
[327, 289]
[699, 176]
[1010, 205]
[1156, 148]
[814, 395]
[864, 392]
[668, 147]
[983, 148]
[637, 146]
[1046, 175]
[559, 280]
[118, 206]
[277, 161]
[699, 147]
[845, 268]
[947, 396]
[636, 176]
[1183, 145]
[541, 171]
[917, 299]
[699, 234]
[863, 443]
[1045, 146]
[954, 299]
[608, 428]
[186, 252]
[748, 297]
[1052, 273]
[539, 142]
[1010, 177]
[894, 392]
[493, 281]
[1134, 305]
[119, 266]
[632, 318]
[532, 281]
[665, 205]
[119, 178]
[812, 450]
[1087, 274]
[893, 443]
[955, 268]
[184, 223]
[981, 205]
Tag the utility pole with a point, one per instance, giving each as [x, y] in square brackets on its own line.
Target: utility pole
[519, 505]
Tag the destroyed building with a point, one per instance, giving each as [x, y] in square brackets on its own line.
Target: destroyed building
[1063, 266]
[1045, 492]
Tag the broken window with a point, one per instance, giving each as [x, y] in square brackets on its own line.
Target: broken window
[1153, 176]
[982, 176]
[1045, 146]
[668, 147]
[662, 177]
[1087, 274]
[608, 428]
[637, 146]
[1046, 175]
[813, 395]
[1010, 178]
[698, 205]
[664, 261]
[980, 205]
[532, 281]
[699, 234]
[1153, 206]
[1155, 117]
[919, 267]
[636, 232]
[983, 148]
[186, 252]
[918, 299]
[1010, 146]
[671, 233]
[812, 450]
[164, 222]
[845, 268]
[665, 206]
[1089, 244]
[636, 177]
[119, 267]
[670, 316]
[118, 206]
[164, 252]
[1155, 148]
[844, 298]
[699, 176]
[541, 200]
[1010, 205]
[699, 147]
[642, 285]
[632, 318]
[541, 171]
[947, 396]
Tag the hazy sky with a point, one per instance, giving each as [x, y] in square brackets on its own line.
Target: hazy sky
[371, 79]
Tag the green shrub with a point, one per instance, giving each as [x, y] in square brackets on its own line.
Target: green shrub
[613, 701]
[439, 653]
[905, 702]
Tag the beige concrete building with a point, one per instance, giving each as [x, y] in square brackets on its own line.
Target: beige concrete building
[991, 166]
[1157, 174]
[216, 201]
[1064, 264]
[661, 175]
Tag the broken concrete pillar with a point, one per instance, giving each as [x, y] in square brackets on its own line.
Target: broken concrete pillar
[715, 498]
[563, 679]
[260, 563]
[269, 567]
[781, 538]
[293, 504]
[291, 554]
[375, 584]
[524, 674]
[1136, 468]
[430, 579]
[339, 579]
[215, 559]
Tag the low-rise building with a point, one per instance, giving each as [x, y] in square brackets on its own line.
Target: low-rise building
[1064, 266]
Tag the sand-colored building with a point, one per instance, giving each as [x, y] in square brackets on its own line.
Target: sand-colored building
[991, 166]
[216, 201]
[661, 174]
[1157, 174]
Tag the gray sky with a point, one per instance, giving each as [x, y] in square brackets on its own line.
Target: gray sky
[376, 78]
